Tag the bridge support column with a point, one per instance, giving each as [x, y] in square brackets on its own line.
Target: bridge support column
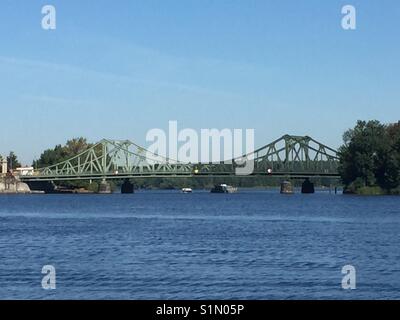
[127, 187]
[286, 187]
[307, 186]
[104, 187]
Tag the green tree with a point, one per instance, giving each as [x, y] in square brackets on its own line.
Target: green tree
[60, 153]
[76, 146]
[370, 156]
[12, 161]
[388, 159]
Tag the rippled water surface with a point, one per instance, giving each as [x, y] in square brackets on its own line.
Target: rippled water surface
[168, 245]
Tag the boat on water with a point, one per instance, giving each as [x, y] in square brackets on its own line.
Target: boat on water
[223, 188]
[187, 190]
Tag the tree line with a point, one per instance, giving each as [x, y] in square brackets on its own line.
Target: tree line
[370, 158]
[62, 152]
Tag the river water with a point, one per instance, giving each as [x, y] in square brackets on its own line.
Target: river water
[169, 245]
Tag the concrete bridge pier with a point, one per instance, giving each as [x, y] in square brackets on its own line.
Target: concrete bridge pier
[286, 187]
[307, 186]
[104, 187]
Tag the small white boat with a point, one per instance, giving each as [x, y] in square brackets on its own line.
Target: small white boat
[187, 190]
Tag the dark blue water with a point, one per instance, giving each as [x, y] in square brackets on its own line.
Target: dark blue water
[168, 245]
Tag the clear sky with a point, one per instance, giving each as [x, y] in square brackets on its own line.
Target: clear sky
[115, 69]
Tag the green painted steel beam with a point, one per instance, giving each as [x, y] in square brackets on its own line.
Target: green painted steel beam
[111, 159]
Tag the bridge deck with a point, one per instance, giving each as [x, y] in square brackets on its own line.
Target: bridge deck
[291, 175]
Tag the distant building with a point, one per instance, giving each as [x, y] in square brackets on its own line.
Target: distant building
[24, 171]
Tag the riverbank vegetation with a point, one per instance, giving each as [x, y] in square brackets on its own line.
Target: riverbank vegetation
[370, 158]
[62, 152]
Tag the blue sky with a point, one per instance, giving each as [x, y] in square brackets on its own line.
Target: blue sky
[115, 69]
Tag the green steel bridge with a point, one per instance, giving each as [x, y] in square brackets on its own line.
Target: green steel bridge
[288, 156]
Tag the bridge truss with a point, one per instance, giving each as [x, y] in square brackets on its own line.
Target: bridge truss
[288, 155]
[110, 159]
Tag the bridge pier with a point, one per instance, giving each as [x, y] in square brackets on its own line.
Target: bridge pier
[307, 186]
[127, 187]
[104, 187]
[286, 187]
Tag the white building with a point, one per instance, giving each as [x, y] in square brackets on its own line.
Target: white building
[24, 171]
